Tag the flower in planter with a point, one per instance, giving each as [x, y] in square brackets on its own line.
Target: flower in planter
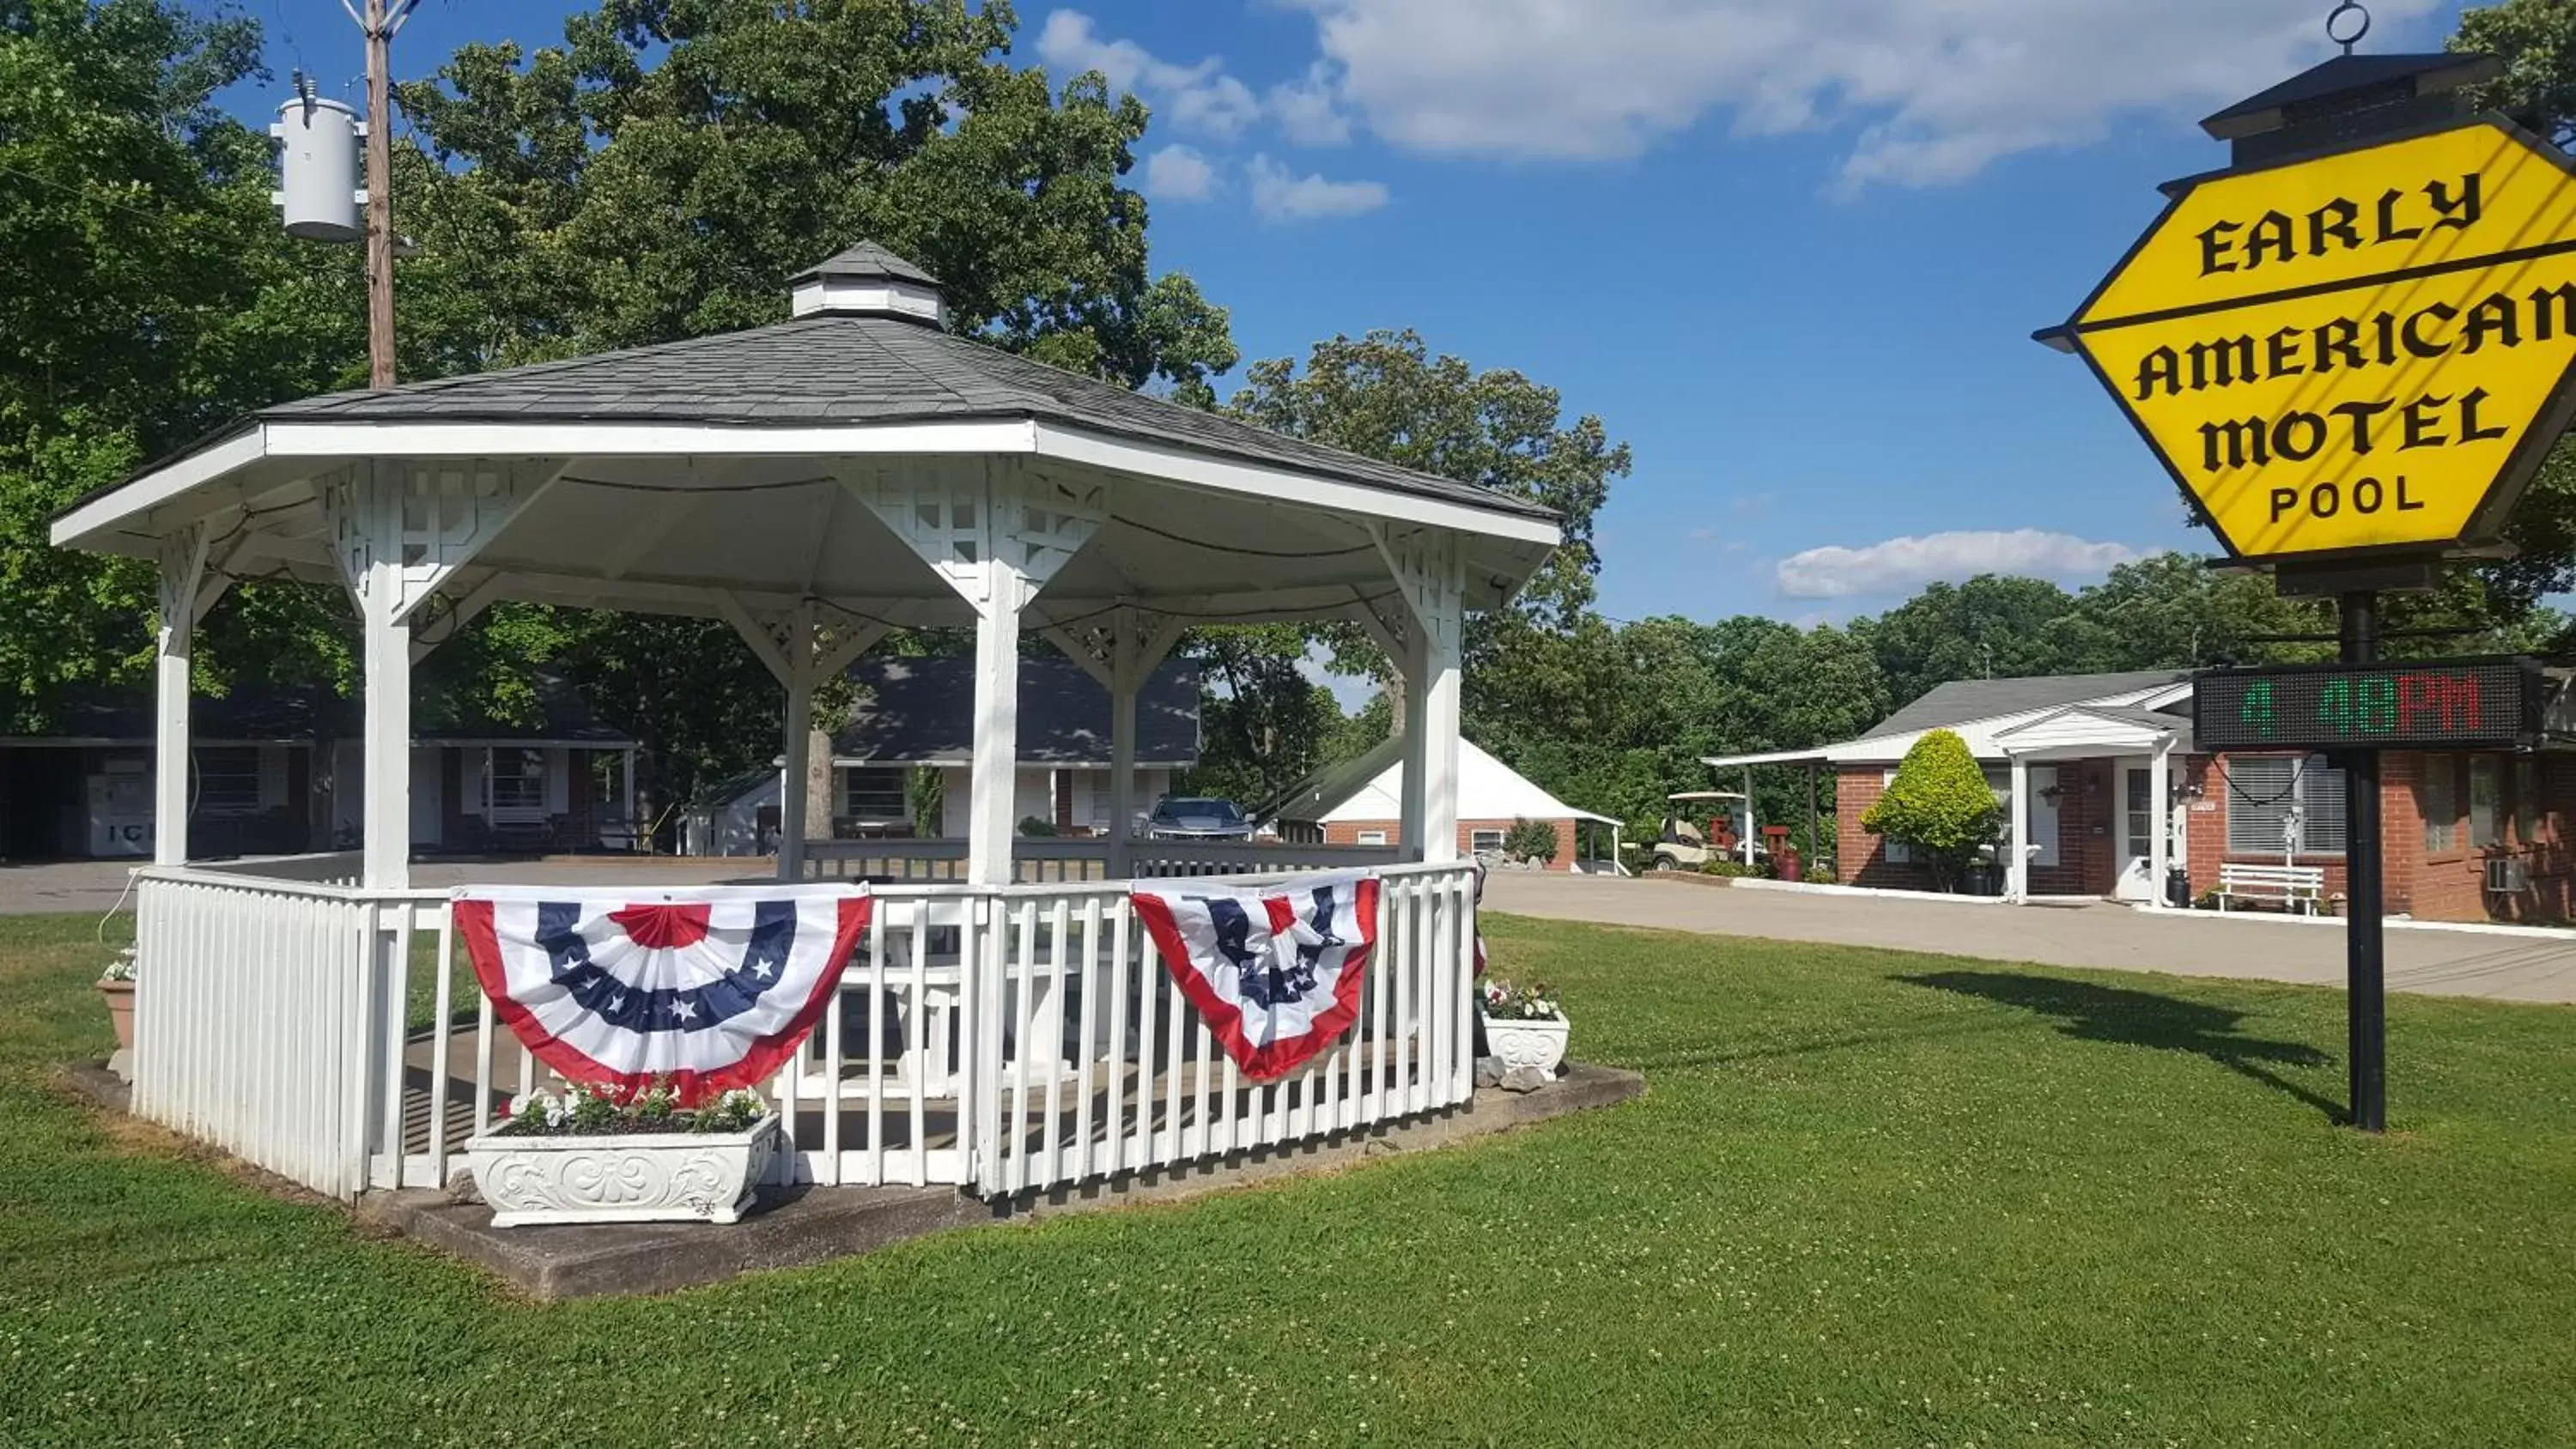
[120, 967]
[1534, 1002]
[594, 1111]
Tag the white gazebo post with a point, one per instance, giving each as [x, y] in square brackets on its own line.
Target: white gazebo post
[996, 537]
[183, 568]
[1428, 575]
[1121, 655]
[2160, 821]
[2017, 867]
[1752, 827]
[400, 531]
[803, 647]
[797, 738]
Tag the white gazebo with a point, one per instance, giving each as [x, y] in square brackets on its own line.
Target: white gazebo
[816, 483]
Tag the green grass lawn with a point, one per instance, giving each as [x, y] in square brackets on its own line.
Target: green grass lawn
[1868, 1199]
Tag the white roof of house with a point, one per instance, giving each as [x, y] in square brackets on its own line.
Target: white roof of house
[2124, 696]
[1488, 789]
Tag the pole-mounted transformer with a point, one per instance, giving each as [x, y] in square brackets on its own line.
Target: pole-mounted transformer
[318, 187]
[317, 174]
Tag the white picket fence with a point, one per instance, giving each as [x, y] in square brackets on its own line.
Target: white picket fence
[1008, 1040]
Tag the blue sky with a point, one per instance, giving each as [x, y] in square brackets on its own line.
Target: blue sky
[1791, 253]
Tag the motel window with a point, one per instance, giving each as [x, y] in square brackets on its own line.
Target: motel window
[1481, 841]
[2526, 800]
[2437, 799]
[516, 782]
[228, 781]
[2283, 805]
[1372, 837]
[875, 795]
[1894, 852]
[2486, 801]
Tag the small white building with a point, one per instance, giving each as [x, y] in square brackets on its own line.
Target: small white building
[1361, 802]
[917, 715]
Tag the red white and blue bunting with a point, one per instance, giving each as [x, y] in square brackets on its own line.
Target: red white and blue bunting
[1277, 972]
[709, 988]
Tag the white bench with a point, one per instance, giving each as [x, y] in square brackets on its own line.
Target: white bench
[2293, 887]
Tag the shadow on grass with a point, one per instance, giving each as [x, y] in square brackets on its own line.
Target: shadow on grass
[2143, 1018]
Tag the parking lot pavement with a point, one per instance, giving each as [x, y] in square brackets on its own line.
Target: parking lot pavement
[2073, 933]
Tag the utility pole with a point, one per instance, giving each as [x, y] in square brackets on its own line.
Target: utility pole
[379, 24]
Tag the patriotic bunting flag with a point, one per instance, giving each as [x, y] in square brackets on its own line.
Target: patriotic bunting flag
[1276, 973]
[712, 988]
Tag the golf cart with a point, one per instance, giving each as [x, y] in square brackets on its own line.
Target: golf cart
[1685, 843]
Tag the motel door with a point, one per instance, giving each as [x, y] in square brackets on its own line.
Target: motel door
[2137, 824]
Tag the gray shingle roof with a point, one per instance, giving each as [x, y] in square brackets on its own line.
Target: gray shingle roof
[919, 710]
[2350, 72]
[1963, 700]
[839, 369]
[866, 259]
[293, 713]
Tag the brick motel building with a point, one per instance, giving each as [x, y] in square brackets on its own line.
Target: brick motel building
[2095, 756]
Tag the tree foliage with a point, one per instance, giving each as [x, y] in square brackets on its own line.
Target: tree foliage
[1940, 804]
[146, 296]
[1385, 396]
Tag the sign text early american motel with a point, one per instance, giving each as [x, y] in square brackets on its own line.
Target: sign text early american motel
[2363, 352]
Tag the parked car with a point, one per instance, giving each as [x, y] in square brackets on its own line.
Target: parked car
[1197, 817]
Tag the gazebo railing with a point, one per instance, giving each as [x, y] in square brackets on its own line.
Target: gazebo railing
[1037, 860]
[1005, 1040]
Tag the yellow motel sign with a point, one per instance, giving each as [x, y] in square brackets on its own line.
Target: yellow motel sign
[2368, 351]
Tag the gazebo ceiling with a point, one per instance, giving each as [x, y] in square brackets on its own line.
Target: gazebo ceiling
[657, 474]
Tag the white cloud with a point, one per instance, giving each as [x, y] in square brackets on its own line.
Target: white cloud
[1179, 173]
[1899, 564]
[1279, 194]
[1933, 92]
[1201, 97]
[1306, 110]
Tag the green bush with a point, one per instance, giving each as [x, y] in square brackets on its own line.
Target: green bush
[1530, 840]
[1730, 869]
[1940, 804]
[1037, 827]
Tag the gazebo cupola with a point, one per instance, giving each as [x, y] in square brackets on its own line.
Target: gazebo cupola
[866, 280]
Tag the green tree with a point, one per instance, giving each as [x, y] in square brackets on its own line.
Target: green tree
[2536, 39]
[1939, 803]
[146, 296]
[663, 172]
[1263, 724]
[1991, 627]
[1385, 396]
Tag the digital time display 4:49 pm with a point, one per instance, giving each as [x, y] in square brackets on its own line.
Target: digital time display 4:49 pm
[2493, 703]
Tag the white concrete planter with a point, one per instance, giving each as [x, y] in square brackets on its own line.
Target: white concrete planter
[655, 1177]
[1539, 1045]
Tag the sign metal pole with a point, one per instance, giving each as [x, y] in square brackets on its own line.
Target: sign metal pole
[2365, 962]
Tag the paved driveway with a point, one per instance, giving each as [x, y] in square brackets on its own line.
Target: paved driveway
[2089, 933]
[2092, 933]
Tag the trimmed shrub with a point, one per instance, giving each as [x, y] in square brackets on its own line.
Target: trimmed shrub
[1530, 840]
[1940, 804]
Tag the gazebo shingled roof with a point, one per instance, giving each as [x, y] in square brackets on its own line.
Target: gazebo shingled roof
[831, 368]
[815, 483]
